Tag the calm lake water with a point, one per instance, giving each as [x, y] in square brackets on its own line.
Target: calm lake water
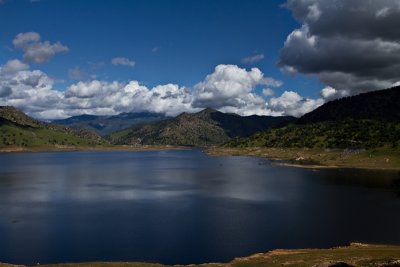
[183, 207]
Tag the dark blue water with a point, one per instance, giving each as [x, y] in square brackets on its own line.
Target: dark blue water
[183, 207]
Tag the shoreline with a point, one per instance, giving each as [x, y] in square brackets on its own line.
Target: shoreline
[355, 254]
[377, 159]
[287, 164]
[18, 149]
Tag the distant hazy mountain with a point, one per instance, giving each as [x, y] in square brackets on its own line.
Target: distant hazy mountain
[368, 120]
[18, 129]
[377, 105]
[104, 125]
[208, 127]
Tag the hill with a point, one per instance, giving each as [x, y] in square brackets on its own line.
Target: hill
[19, 130]
[376, 105]
[104, 125]
[348, 134]
[369, 120]
[207, 127]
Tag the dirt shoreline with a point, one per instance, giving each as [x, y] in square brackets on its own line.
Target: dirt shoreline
[318, 158]
[356, 254]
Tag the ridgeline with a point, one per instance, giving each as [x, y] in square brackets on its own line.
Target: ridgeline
[205, 128]
[365, 121]
[104, 125]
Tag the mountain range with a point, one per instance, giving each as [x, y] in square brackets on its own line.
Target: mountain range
[207, 127]
[104, 125]
[368, 120]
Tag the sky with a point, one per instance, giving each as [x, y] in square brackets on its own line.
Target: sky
[61, 58]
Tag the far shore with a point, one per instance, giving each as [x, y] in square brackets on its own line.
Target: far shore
[59, 148]
[377, 159]
[356, 254]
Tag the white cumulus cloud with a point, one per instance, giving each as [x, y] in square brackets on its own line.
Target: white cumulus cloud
[268, 92]
[252, 59]
[228, 88]
[228, 85]
[36, 51]
[12, 66]
[329, 93]
[291, 103]
[123, 61]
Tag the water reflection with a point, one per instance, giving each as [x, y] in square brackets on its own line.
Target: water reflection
[183, 207]
[395, 185]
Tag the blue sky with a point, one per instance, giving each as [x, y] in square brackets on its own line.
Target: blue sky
[190, 37]
[161, 42]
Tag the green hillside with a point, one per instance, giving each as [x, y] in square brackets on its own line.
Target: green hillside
[186, 129]
[207, 127]
[369, 120]
[353, 134]
[19, 130]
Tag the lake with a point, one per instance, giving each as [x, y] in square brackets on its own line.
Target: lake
[183, 207]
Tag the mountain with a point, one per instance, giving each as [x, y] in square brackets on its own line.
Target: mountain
[104, 125]
[207, 127]
[376, 105]
[18, 129]
[369, 120]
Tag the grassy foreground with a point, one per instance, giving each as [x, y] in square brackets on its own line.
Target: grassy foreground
[381, 158]
[354, 255]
